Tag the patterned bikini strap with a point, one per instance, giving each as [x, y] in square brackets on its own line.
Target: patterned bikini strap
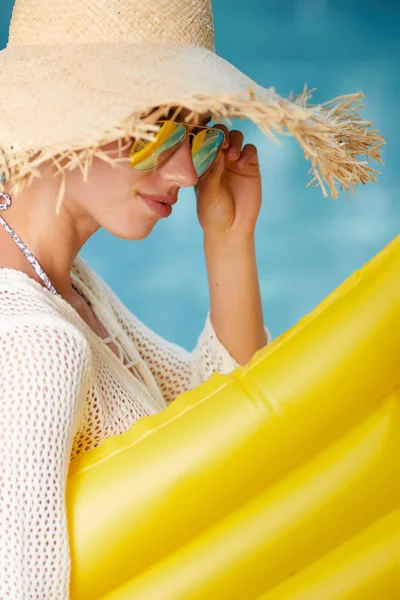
[23, 247]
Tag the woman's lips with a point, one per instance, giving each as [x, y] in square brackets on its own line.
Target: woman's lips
[164, 199]
[160, 205]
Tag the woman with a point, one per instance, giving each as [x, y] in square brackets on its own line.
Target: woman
[76, 365]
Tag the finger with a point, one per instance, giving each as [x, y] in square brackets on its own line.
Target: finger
[226, 132]
[249, 156]
[213, 178]
[234, 150]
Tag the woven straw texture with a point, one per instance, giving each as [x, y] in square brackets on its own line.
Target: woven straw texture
[79, 74]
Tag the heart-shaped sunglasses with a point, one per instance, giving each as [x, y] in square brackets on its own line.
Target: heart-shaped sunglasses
[206, 145]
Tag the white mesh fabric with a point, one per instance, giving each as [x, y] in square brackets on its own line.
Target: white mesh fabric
[43, 366]
[62, 392]
[174, 368]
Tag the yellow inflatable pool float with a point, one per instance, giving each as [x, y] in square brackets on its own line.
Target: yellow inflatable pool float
[278, 481]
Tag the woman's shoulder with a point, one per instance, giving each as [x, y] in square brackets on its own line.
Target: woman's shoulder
[20, 294]
[26, 305]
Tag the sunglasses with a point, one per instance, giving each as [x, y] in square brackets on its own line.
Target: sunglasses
[206, 145]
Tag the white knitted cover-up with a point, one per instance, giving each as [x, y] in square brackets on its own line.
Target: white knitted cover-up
[62, 392]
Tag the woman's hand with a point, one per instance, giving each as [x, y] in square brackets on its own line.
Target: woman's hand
[228, 205]
[229, 196]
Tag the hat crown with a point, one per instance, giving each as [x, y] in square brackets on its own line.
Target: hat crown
[168, 22]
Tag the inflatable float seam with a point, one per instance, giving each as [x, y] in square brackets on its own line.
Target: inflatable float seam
[269, 400]
[350, 283]
[302, 324]
[338, 551]
[145, 434]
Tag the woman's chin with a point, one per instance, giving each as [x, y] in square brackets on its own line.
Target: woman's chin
[131, 231]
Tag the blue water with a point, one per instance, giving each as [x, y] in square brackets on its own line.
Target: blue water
[306, 244]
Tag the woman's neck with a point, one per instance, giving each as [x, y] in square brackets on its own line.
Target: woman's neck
[53, 240]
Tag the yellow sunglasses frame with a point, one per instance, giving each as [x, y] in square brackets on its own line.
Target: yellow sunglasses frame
[148, 149]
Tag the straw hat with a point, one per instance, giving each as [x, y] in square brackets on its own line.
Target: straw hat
[78, 74]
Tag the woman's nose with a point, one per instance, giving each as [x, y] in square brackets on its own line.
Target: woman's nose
[180, 168]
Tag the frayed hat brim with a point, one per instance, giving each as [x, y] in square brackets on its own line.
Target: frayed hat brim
[69, 100]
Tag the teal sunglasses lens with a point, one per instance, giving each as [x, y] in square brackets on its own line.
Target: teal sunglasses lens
[145, 156]
[205, 149]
